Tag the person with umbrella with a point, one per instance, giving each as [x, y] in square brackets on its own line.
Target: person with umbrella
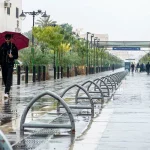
[8, 54]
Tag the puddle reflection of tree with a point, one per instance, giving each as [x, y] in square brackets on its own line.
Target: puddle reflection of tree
[6, 112]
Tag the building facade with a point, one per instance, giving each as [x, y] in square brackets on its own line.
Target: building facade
[9, 15]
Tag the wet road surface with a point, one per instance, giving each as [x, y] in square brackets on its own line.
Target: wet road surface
[124, 123]
[11, 111]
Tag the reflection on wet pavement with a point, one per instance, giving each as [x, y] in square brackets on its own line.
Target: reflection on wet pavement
[11, 111]
[124, 123]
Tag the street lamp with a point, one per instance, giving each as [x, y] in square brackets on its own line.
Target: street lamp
[97, 52]
[92, 36]
[87, 51]
[33, 13]
[91, 44]
[94, 52]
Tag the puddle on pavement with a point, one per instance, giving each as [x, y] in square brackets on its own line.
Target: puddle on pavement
[43, 111]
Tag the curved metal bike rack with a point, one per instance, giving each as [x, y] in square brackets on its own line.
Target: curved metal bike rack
[121, 75]
[107, 80]
[98, 84]
[116, 78]
[99, 81]
[59, 99]
[113, 81]
[80, 107]
[88, 88]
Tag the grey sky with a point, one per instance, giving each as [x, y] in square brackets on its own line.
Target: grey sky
[120, 19]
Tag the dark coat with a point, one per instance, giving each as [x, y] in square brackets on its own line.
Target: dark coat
[147, 66]
[5, 49]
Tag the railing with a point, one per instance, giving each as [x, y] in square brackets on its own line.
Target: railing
[38, 73]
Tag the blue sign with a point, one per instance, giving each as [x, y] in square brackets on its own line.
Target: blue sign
[127, 48]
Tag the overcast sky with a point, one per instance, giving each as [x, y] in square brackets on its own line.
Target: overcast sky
[120, 19]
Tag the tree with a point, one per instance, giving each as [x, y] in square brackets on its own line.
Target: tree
[67, 32]
[63, 48]
[40, 57]
[45, 22]
[49, 35]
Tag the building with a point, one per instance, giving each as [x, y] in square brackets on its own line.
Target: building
[9, 15]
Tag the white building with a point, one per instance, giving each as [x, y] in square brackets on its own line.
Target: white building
[9, 15]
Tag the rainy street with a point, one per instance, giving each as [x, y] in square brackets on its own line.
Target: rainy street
[122, 123]
[13, 108]
[74, 75]
[125, 120]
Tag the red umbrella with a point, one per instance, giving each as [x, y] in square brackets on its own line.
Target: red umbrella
[17, 38]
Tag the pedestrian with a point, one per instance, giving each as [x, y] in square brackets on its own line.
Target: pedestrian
[137, 68]
[8, 54]
[147, 68]
[113, 67]
[132, 67]
[142, 67]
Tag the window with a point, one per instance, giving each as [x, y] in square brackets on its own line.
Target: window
[17, 12]
[8, 10]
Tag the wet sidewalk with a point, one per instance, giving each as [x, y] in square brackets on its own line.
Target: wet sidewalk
[124, 123]
[20, 96]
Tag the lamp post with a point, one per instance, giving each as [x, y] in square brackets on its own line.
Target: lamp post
[87, 62]
[92, 35]
[97, 52]
[94, 52]
[33, 14]
[91, 44]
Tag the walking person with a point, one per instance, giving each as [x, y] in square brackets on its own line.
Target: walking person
[113, 67]
[132, 67]
[8, 54]
[137, 68]
[147, 68]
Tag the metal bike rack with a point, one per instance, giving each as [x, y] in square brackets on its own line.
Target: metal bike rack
[81, 106]
[4, 143]
[108, 82]
[112, 81]
[103, 87]
[99, 82]
[101, 97]
[121, 75]
[59, 99]
[115, 76]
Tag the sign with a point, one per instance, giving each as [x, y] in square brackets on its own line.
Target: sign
[130, 59]
[127, 48]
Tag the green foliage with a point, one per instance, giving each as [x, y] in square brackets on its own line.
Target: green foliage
[40, 58]
[69, 50]
[145, 58]
[42, 22]
[49, 35]
[67, 32]
[71, 59]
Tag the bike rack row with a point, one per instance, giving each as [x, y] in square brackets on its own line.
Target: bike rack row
[110, 83]
[88, 94]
